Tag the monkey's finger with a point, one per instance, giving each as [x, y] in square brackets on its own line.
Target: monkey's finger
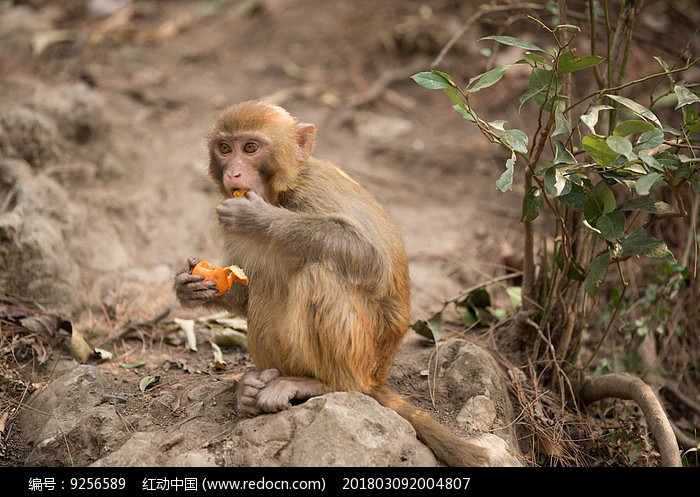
[201, 285]
[185, 278]
[248, 400]
[253, 383]
[204, 295]
[192, 262]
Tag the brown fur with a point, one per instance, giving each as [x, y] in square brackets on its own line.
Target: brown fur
[328, 298]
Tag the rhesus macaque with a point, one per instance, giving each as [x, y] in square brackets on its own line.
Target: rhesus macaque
[328, 296]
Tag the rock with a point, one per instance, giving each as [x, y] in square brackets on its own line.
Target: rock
[478, 413]
[76, 110]
[477, 389]
[33, 240]
[138, 451]
[336, 429]
[32, 135]
[67, 424]
[498, 451]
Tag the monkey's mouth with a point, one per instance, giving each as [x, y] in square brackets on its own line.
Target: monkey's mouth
[239, 192]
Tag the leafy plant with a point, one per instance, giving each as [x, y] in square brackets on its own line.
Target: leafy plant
[599, 179]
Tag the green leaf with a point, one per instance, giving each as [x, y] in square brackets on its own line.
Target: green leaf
[621, 145]
[505, 182]
[498, 125]
[430, 329]
[464, 113]
[562, 155]
[650, 139]
[515, 295]
[469, 318]
[601, 202]
[515, 140]
[452, 93]
[646, 204]
[596, 273]
[591, 118]
[132, 366]
[611, 226]
[561, 125]
[648, 182]
[650, 161]
[541, 80]
[432, 80]
[537, 59]
[555, 183]
[598, 150]
[684, 95]
[477, 298]
[486, 79]
[605, 196]
[568, 62]
[638, 109]
[513, 42]
[576, 198]
[639, 242]
[633, 126]
[532, 201]
[147, 381]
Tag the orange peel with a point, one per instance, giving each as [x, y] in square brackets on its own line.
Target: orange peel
[223, 276]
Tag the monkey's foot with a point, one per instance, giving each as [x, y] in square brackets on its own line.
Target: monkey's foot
[248, 388]
[278, 394]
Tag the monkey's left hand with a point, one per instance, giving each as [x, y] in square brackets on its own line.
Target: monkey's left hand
[245, 214]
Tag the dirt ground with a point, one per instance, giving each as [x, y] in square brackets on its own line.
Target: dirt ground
[164, 69]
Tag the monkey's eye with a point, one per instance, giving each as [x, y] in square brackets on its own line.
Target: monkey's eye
[225, 148]
[251, 147]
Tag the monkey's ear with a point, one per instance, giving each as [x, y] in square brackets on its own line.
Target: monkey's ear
[305, 140]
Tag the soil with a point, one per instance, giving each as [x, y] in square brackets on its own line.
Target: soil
[165, 71]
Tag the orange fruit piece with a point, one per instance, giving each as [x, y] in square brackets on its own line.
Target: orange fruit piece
[239, 193]
[223, 276]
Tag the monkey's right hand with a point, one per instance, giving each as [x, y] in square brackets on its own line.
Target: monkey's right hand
[191, 289]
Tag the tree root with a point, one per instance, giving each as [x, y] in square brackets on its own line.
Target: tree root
[625, 386]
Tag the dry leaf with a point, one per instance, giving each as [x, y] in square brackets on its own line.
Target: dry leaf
[187, 325]
[219, 362]
[79, 347]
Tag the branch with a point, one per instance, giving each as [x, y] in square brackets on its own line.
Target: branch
[482, 11]
[625, 386]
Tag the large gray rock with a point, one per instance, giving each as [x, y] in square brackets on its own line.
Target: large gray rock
[67, 424]
[336, 429]
[34, 233]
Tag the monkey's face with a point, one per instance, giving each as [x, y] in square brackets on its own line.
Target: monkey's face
[241, 162]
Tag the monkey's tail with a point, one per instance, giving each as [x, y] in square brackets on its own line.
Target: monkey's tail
[446, 446]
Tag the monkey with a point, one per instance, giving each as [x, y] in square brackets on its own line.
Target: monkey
[328, 299]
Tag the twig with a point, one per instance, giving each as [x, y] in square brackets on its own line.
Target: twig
[133, 327]
[482, 11]
[386, 79]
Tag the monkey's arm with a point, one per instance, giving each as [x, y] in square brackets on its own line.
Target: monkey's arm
[332, 238]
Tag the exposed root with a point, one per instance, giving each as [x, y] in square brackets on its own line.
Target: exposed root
[630, 387]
